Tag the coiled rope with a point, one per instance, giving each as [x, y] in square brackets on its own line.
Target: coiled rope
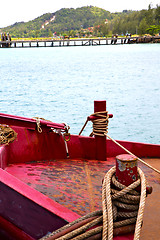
[100, 125]
[110, 218]
[39, 129]
[127, 199]
[7, 134]
[99, 130]
[114, 200]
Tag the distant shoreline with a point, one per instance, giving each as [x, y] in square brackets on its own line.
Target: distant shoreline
[58, 38]
[114, 40]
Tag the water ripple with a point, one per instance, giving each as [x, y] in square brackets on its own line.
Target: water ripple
[61, 84]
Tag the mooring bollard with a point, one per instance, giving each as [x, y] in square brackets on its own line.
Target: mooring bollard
[126, 169]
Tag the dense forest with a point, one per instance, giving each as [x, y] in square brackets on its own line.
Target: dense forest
[88, 21]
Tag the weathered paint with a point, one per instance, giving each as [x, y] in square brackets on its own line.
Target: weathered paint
[29, 123]
[27, 215]
[40, 161]
[33, 146]
[30, 210]
[126, 169]
[74, 183]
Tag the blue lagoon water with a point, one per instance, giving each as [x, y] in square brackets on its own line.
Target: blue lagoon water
[60, 84]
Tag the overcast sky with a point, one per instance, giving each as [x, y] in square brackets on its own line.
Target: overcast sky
[12, 11]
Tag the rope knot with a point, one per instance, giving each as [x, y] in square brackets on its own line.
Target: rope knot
[7, 134]
[122, 205]
[91, 225]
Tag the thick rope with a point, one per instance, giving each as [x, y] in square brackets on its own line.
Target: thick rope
[108, 200]
[107, 205]
[112, 200]
[141, 206]
[81, 230]
[7, 134]
[89, 215]
[100, 128]
[148, 165]
[100, 123]
[39, 129]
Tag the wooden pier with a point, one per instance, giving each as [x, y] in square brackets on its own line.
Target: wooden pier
[77, 42]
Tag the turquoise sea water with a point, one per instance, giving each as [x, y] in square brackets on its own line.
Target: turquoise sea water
[60, 84]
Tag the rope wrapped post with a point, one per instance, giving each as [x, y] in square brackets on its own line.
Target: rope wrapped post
[127, 174]
[100, 141]
[122, 207]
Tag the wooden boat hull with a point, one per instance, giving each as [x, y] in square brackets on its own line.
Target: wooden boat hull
[42, 189]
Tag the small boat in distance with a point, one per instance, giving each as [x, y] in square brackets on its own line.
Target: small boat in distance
[55, 185]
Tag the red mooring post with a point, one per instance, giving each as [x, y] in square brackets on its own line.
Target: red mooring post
[100, 106]
[126, 169]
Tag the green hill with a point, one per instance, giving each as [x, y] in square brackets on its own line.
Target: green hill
[61, 21]
[77, 21]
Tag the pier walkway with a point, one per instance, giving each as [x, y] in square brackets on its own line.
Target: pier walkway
[77, 42]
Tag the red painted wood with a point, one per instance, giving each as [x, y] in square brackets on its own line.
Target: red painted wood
[3, 156]
[137, 148]
[9, 230]
[33, 146]
[91, 118]
[27, 122]
[37, 197]
[100, 106]
[129, 236]
[29, 209]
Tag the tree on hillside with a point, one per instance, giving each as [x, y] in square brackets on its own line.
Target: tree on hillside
[157, 15]
[142, 27]
[69, 19]
[153, 29]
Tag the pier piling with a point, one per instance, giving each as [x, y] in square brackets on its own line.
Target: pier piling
[78, 42]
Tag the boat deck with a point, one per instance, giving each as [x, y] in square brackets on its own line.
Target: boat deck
[76, 184]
